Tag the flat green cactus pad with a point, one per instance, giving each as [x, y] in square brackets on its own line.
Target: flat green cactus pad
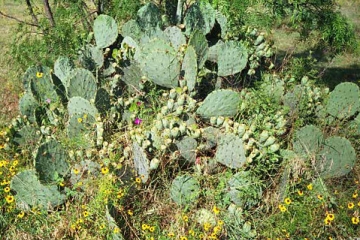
[51, 159]
[184, 190]
[220, 103]
[336, 159]
[307, 140]
[230, 151]
[232, 58]
[105, 31]
[30, 192]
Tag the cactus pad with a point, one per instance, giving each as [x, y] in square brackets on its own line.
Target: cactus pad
[189, 67]
[51, 158]
[184, 190]
[81, 130]
[43, 88]
[141, 162]
[149, 16]
[232, 58]
[230, 151]
[175, 36]
[81, 84]
[199, 42]
[307, 140]
[62, 68]
[336, 159]
[344, 100]
[220, 103]
[81, 106]
[159, 62]
[102, 100]
[244, 190]
[30, 192]
[26, 137]
[105, 31]
[200, 15]
[27, 105]
[187, 148]
[91, 57]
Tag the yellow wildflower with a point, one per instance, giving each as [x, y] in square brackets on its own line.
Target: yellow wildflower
[145, 227]
[216, 210]
[300, 192]
[171, 234]
[287, 201]
[21, 214]
[76, 170]
[152, 229]
[220, 222]
[104, 170]
[39, 74]
[15, 163]
[7, 189]
[79, 120]
[207, 226]
[355, 220]
[355, 195]
[309, 187]
[327, 221]
[185, 218]
[138, 180]
[130, 212]
[330, 216]
[61, 184]
[183, 238]
[102, 226]
[320, 197]
[9, 198]
[350, 205]
[191, 232]
[116, 230]
[282, 208]
[85, 214]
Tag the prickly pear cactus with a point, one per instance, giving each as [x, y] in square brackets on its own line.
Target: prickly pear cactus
[184, 190]
[31, 193]
[81, 130]
[91, 57]
[51, 158]
[62, 68]
[102, 100]
[344, 100]
[337, 158]
[308, 140]
[232, 58]
[200, 15]
[42, 86]
[26, 137]
[132, 29]
[81, 84]
[132, 76]
[189, 67]
[230, 151]
[187, 147]
[159, 62]
[105, 31]
[82, 106]
[244, 190]
[220, 103]
[175, 36]
[149, 16]
[199, 43]
[27, 105]
[141, 162]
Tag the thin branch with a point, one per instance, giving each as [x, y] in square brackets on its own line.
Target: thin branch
[19, 20]
[49, 13]
[31, 12]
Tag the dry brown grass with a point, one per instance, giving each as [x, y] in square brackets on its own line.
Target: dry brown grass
[10, 79]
